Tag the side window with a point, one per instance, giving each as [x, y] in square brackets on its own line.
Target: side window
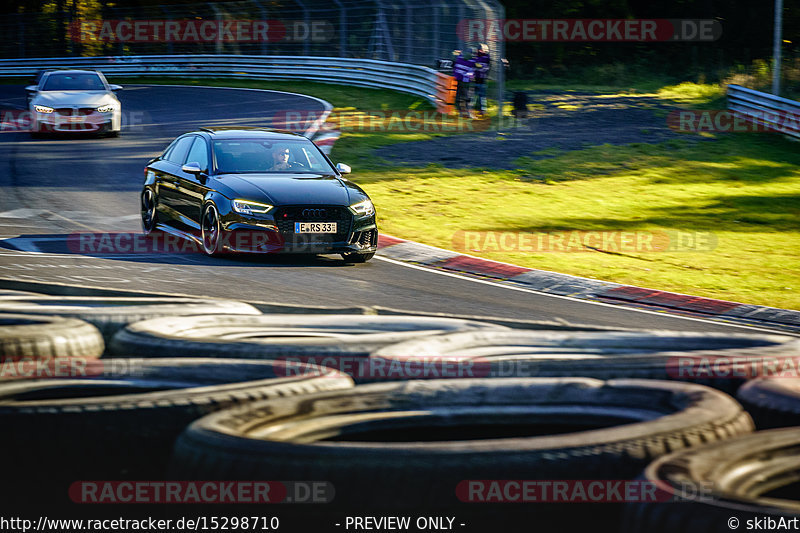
[198, 153]
[177, 153]
[168, 149]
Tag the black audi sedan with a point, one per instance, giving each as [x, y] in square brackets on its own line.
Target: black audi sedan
[257, 190]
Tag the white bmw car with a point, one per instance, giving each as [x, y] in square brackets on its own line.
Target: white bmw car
[74, 101]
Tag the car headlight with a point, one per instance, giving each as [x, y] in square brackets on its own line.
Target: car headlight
[364, 208]
[106, 108]
[43, 109]
[247, 207]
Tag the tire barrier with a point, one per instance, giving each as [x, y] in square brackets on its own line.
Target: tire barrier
[196, 368]
[747, 482]
[109, 314]
[278, 336]
[772, 402]
[514, 323]
[33, 337]
[412, 444]
[119, 418]
[719, 360]
[11, 294]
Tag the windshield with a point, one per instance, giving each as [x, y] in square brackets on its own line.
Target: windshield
[73, 82]
[300, 156]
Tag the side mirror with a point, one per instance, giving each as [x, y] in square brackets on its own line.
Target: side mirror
[115, 88]
[31, 88]
[192, 168]
[343, 169]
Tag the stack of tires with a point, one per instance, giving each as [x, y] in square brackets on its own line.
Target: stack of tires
[427, 416]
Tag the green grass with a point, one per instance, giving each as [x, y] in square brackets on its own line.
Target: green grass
[742, 191]
[686, 94]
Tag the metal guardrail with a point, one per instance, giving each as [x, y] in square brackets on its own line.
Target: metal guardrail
[414, 79]
[772, 112]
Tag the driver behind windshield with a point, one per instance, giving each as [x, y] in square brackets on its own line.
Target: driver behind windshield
[281, 159]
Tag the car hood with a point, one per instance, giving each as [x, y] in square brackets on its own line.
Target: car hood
[74, 98]
[287, 189]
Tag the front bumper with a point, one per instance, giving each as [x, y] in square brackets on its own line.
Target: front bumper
[88, 121]
[268, 235]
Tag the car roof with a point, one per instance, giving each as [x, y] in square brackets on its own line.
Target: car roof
[245, 132]
[70, 71]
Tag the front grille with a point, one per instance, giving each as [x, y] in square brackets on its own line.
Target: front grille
[76, 127]
[68, 111]
[286, 216]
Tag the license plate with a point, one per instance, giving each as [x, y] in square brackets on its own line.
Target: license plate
[74, 119]
[315, 227]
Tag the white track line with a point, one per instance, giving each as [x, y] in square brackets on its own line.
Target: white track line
[661, 314]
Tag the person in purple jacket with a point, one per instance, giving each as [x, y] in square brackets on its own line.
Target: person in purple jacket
[483, 63]
[463, 72]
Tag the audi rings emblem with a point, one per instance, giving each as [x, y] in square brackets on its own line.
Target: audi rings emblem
[313, 213]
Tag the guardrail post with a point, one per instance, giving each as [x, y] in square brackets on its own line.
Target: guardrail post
[263, 14]
[409, 33]
[218, 16]
[342, 29]
[21, 26]
[307, 21]
[499, 13]
[776, 54]
[167, 13]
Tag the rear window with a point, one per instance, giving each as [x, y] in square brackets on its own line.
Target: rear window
[73, 82]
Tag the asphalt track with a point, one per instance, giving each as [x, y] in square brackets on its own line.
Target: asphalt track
[56, 187]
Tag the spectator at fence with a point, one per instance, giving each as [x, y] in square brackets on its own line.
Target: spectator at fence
[483, 62]
[463, 72]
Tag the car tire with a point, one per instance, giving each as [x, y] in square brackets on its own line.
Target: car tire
[662, 355]
[24, 336]
[210, 231]
[121, 419]
[357, 257]
[772, 402]
[718, 487]
[413, 444]
[109, 314]
[279, 335]
[149, 211]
